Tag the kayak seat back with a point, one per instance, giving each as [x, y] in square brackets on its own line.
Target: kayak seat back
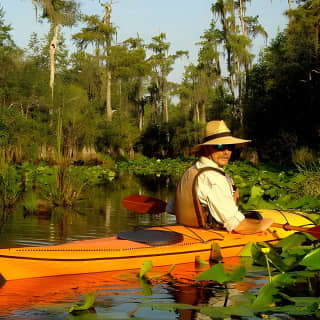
[151, 237]
[252, 214]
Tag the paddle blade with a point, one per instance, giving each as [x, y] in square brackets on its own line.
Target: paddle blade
[144, 204]
[315, 232]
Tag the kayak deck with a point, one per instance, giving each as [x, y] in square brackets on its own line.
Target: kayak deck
[111, 253]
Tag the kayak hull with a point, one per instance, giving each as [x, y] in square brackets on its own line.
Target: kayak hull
[110, 254]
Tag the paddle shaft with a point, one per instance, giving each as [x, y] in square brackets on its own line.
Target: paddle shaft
[146, 204]
[288, 227]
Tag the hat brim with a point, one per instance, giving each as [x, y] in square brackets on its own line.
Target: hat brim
[223, 140]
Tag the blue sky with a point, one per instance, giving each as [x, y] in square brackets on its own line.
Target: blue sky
[183, 21]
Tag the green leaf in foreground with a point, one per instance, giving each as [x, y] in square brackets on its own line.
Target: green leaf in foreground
[265, 296]
[247, 250]
[311, 260]
[226, 312]
[217, 273]
[88, 303]
[283, 280]
[146, 267]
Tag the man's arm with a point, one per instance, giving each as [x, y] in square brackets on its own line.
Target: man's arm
[250, 226]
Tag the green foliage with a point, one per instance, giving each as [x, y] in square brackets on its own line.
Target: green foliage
[153, 166]
[114, 136]
[146, 267]
[310, 182]
[93, 175]
[30, 201]
[88, 303]
[10, 185]
[266, 186]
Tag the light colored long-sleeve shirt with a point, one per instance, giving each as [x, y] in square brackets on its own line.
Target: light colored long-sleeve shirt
[215, 191]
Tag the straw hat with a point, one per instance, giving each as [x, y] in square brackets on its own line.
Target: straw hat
[217, 132]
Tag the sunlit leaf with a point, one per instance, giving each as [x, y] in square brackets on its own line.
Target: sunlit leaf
[215, 273]
[256, 192]
[88, 303]
[146, 267]
[246, 251]
[311, 260]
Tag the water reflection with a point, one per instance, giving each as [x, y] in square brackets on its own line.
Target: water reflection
[117, 292]
[97, 213]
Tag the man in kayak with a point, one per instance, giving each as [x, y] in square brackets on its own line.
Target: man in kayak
[206, 196]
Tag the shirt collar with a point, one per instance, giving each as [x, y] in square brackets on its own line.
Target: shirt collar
[206, 162]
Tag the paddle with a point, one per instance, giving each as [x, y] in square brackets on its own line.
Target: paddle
[146, 204]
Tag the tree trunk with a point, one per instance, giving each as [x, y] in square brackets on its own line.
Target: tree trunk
[241, 15]
[53, 47]
[197, 112]
[166, 112]
[203, 112]
[106, 21]
[141, 116]
[108, 100]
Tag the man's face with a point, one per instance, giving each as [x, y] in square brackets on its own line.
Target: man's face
[221, 154]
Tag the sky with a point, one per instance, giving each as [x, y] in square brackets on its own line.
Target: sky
[183, 22]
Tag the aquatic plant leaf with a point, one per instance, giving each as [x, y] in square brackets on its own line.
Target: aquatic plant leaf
[297, 253]
[146, 267]
[256, 192]
[145, 287]
[291, 263]
[171, 269]
[215, 273]
[238, 274]
[311, 260]
[247, 250]
[306, 274]
[226, 312]
[200, 263]
[257, 256]
[88, 303]
[215, 255]
[168, 306]
[160, 275]
[293, 310]
[292, 241]
[265, 296]
[282, 280]
[305, 301]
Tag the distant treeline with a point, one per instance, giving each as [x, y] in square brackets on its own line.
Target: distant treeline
[114, 98]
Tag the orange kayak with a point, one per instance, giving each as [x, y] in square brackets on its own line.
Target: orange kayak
[112, 253]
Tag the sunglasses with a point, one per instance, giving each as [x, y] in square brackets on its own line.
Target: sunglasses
[222, 147]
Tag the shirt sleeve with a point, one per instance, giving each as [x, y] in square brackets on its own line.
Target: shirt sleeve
[214, 191]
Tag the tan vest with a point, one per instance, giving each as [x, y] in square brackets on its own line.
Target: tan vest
[187, 206]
